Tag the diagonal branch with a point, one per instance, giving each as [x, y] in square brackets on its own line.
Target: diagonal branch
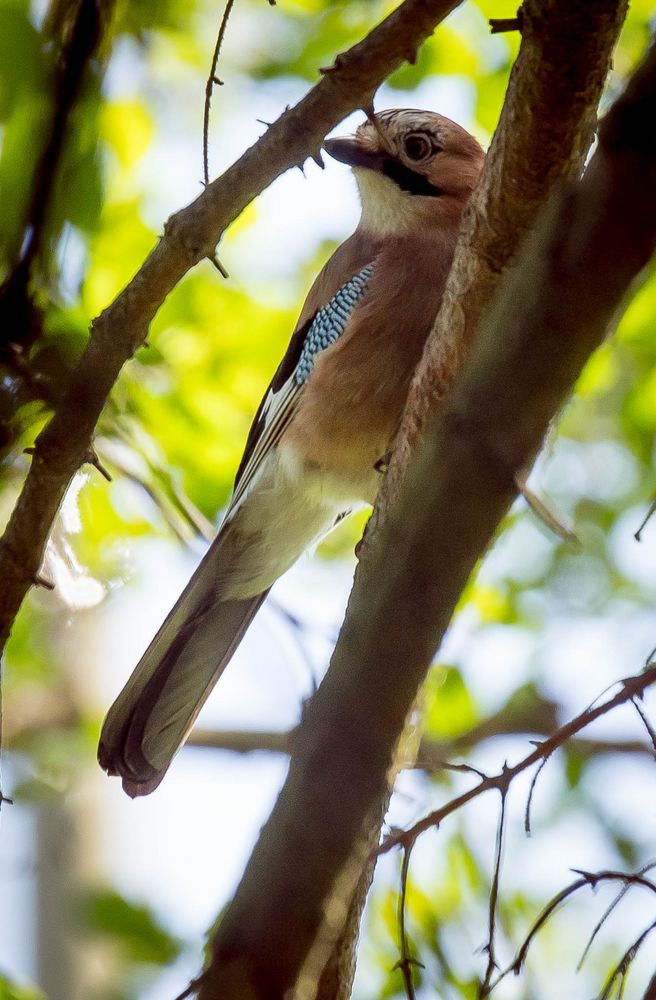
[554, 310]
[631, 687]
[189, 236]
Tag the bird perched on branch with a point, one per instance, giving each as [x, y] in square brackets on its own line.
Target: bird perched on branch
[329, 415]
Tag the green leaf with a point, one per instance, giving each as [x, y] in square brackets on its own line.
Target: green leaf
[134, 928]
[450, 708]
[10, 990]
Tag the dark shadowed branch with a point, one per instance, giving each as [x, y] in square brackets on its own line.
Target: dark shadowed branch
[190, 236]
[75, 34]
[591, 880]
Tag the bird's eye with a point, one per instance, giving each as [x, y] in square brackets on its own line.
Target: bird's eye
[417, 147]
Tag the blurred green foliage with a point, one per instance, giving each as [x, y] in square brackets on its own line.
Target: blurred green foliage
[173, 431]
[132, 928]
[12, 991]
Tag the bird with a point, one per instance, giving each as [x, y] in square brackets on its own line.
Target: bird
[315, 448]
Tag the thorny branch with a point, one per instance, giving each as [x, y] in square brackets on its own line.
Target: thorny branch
[631, 687]
[213, 80]
[589, 880]
[609, 909]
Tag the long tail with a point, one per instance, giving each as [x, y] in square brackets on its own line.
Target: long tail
[152, 717]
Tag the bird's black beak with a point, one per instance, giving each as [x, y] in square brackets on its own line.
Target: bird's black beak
[349, 150]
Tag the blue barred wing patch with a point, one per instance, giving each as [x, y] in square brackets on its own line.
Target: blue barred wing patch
[278, 406]
[330, 322]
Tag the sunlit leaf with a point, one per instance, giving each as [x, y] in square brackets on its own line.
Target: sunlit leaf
[132, 927]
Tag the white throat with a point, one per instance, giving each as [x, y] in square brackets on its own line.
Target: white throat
[386, 210]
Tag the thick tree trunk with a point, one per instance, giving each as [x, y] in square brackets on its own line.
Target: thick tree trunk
[555, 309]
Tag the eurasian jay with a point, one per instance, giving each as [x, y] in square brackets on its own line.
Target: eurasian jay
[329, 415]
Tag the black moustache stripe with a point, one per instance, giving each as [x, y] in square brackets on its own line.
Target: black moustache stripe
[408, 180]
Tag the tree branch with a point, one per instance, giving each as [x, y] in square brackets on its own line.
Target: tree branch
[459, 486]
[433, 755]
[544, 134]
[631, 687]
[189, 236]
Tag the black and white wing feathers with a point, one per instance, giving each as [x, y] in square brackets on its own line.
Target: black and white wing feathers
[279, 403]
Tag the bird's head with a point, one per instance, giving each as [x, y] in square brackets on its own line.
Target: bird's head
[409, 166]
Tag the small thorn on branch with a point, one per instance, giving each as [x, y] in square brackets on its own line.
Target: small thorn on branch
[318, 159]
[29, 451]
[218, 265]
[217, 81]
[368, 110]
[648, 516]
[4, 798]
[91, 458]
[500, 25]
[40, 581]
[334, 66]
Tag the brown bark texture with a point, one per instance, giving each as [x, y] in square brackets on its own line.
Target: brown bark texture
[554, 309]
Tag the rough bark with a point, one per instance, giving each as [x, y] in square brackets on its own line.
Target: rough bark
[560, 72]
[189, 236]
[555, 308]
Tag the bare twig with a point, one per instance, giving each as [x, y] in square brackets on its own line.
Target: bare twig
[607, 912]
[213, 80]
[485, 986]
[433, 754]
[503, 24]
[240, 741]
[407, 961]
[529, 798]
[631, 687]
[548, 517]
[93, 459]
[646, 723]
[587, 880]
[643, 524]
